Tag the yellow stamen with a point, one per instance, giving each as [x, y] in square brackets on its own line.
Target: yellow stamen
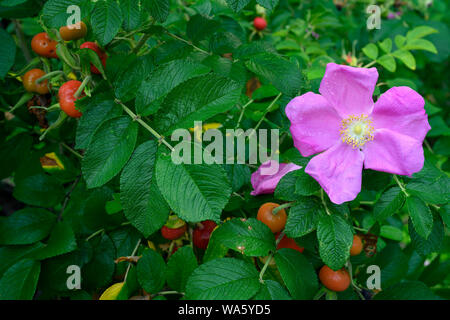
[357, 130]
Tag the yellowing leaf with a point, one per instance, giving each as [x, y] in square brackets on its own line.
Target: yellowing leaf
[51, 161]
[112, 292]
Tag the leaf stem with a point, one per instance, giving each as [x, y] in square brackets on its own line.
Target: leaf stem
[129, 263]
[263, 270]
[49, 75]
[281, 207]
[145, 125]
[188, 42]
[401, 185]
[324, 203]
[82, 86]
[242, 112]
[370, 64]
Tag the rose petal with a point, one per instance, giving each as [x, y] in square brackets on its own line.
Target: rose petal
[265, 180]
[394, 153]
[338, 170]
[401, 109]
[348, 89]
[314, 123]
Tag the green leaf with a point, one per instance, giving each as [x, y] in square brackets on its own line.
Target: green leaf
[407, 290]
[421, 216]
[371, 51]
[214, 95]
[215, 249]
[12, 153]
[106, 20]
[444, 211]
[100, 269]
[124, 240]
[39, 190]
[250, 237]
[111, 147]
[269, 4]
[386, 45]
[7, 52]
[434, 241]
[179, 267]
[294, 184]
[158, 9]
[298, 274]
[420, 44]
[272, 290]
[399, 41]
[305, 185]
[388, 62]
[420, 32]
[151, 270]
[435, 192]
[140, 197]
[195, 192]
[435, 272]
[391, 232]
[335, 240]
[61, 240]
[406, 57]
[131, 13]
[19, 282]
[129, 78]
[303, 217]
[55, 12]
[237, 5]
[98, 109]
[9, 255]
[162, 80]
[282, 74]
[390, 202]
[393, 265]
[54, 274]
[26, 226]
[223, 279]
[238, 174]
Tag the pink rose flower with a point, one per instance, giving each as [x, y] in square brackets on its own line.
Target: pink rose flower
[349, 130]
[266, 183]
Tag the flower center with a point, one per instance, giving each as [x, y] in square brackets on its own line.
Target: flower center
[357, 130]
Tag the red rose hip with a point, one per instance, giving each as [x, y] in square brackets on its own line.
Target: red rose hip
[259, 23]
[202, 234]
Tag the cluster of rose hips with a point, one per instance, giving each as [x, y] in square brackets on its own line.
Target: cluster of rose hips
[44, 46]
[276, 219]
[175, 228]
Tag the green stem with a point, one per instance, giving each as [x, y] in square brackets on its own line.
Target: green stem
[141, 42]
[264, 115]
[95, 234]
[401, 185]
[324, 203]
[188, 42]
[62, 117]
[370, 64]
[358, 289]
[283, 206]
[242, 112]
[49, 75]
[129, 263]
[82, 86]
[72, 151]
[263, 270]
[145, 125]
